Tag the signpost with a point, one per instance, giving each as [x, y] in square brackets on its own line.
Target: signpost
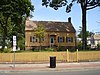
[14, 49]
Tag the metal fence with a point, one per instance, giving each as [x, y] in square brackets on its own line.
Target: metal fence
[45, 56]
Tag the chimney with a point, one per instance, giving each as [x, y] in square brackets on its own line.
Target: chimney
[69, 19]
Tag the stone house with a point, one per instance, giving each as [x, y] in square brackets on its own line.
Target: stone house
[57, 34]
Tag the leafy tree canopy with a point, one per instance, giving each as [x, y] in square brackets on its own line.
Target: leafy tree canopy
[16, 8]
[88, 34]
[60, 3]
[39, 31]
[11, 16]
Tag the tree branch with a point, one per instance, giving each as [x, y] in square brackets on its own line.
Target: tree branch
[88, 1]
[91, 7]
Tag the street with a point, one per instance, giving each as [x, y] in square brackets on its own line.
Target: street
[72, 72]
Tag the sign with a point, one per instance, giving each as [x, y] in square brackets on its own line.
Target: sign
[14, 43]
[14, 38]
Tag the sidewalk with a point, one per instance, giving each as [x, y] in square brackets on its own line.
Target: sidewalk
[46, 66]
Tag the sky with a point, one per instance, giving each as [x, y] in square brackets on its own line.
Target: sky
[41, 13]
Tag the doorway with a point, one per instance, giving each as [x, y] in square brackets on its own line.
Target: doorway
[52, 41]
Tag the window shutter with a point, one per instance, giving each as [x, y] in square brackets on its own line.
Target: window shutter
[63, 39]
[30, 38]
[58, 39]
[71, 39]
[66, 39]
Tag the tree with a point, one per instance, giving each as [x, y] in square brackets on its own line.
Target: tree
[87, 33]
[39, 33]
[15, 10]
[19, 31]
[85, 5]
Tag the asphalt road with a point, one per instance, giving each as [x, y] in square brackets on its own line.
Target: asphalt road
[73, 72]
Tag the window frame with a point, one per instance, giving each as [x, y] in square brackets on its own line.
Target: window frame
[69, 39]
[60, 39]
[33, 39]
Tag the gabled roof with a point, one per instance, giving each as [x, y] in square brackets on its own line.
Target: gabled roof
[51, 26]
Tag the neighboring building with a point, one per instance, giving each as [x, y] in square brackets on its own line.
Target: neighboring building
[57, 34]
[94, 40]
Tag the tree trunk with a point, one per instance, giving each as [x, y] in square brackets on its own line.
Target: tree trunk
[84, 38]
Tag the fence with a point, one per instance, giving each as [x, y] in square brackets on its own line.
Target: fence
[45, 56]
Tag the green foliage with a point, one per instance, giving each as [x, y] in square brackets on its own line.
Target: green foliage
[59, 48]
[1, 39]
[98, 46]
[21, 43]
[11, 17]
[87, 33]
[90, 4]
[54, 3]
[7, 50]
[39, 33]
[49, 49]
[79, 45]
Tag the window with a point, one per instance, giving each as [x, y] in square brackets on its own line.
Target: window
[42, 39]
[60, 39]
[32, 39]
[69, 39]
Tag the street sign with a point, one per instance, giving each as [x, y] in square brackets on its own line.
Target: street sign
[14, 43]
[14, 38]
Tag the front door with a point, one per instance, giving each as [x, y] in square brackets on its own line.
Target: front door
[51, 41]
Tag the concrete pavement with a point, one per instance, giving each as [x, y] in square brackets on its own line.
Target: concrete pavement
[46, 66]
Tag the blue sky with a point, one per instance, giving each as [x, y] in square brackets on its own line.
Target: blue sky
[41, 13]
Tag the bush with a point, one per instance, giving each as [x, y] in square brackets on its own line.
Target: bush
[7, 50]
[98, 46]
[49, 49]
[79, 45]
[60, 48]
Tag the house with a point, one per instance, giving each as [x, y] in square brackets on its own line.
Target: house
[57, 34]
[94, 40]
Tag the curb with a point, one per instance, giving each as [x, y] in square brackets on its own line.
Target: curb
[44, 67]
[46, 70]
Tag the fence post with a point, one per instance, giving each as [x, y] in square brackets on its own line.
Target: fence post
[77, 55]
[67, 56]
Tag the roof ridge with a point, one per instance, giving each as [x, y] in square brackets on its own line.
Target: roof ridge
[52, 21]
